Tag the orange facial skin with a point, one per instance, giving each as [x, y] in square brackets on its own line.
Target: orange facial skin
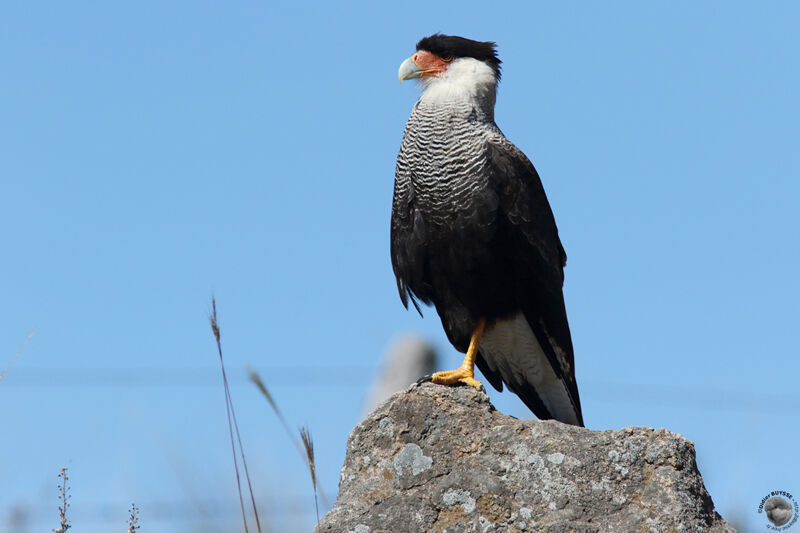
[430, 64]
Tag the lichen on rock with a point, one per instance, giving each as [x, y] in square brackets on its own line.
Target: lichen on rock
[435, 458]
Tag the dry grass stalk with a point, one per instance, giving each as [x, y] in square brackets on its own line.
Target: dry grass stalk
[233, 425]
[16, 355]
[64, 497]
[133, 519]
[301, 445]
[255, 378]
[308, 444]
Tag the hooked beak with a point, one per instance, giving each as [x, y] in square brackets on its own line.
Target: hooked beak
[408, 70]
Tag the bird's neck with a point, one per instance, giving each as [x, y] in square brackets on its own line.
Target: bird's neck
[476, 104]
[467, 86]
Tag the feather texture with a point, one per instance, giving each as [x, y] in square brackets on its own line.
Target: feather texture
[472, 233]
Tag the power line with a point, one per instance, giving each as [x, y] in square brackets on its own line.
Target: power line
[183, 376]
[357, 375]
[695, 397]
[164, 510]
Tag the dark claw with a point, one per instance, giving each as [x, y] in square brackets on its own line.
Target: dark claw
[425, 379]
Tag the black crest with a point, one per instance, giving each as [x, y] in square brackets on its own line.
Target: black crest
[451, 46]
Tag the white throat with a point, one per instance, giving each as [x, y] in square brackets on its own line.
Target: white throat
[466, 79]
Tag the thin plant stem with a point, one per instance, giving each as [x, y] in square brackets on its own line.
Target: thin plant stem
[308, 443]
[16, 355]
[64, 497]
[232, 423]
[299, 444]
[133, 519]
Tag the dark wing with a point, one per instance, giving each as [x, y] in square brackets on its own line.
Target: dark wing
[537, 260]
[407, 243]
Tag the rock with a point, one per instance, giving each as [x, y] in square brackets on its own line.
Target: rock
[442, 459]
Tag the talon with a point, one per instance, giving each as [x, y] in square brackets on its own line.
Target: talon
[427, 378]
[454, 377]
[466, 372]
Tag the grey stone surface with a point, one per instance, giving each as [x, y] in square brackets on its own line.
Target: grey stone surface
[435, 458]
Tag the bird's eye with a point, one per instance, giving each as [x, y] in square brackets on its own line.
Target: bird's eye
[448, 59]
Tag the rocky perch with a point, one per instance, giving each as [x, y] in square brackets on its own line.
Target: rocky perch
[436, 458]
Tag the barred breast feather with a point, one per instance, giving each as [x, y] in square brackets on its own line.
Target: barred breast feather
[472, 233]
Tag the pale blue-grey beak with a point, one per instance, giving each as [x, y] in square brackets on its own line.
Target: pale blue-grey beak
[408, 70]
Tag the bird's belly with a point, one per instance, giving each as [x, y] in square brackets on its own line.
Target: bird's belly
[511, 344]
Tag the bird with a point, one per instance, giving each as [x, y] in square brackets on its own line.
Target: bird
[473, 234]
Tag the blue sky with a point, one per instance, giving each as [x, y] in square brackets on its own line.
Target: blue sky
[153, 154]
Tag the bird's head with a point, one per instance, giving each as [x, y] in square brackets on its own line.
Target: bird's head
[454, 61]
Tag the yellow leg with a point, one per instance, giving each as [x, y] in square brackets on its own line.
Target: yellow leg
[466, 372]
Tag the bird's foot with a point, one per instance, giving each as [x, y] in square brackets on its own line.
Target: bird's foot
[454, 377]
